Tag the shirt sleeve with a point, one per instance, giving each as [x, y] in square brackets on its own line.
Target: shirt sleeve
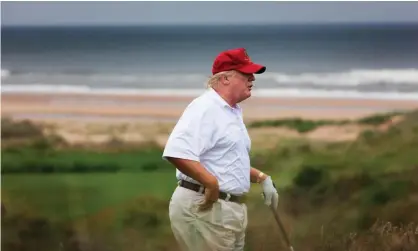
[191, 136]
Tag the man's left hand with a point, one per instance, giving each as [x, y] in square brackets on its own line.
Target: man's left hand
[271, 197]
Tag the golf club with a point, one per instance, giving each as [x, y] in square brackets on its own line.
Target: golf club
[279, 222]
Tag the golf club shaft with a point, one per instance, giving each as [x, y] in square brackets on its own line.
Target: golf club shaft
[279, 222]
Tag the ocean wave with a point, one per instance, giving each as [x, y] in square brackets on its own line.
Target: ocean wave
[263, 92]
[83, 89]
[5, 73]
[100, 77]
[348, 78]
[329, 80]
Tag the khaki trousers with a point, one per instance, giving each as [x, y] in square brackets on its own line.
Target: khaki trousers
[221, 228]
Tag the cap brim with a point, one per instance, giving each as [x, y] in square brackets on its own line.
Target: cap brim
[252, 69]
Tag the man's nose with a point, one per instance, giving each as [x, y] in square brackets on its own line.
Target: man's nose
[251, 78]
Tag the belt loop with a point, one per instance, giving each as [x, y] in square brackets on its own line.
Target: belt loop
[228, 196]
[201, 189]
[179, 182]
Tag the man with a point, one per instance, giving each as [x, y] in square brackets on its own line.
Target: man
[210, 148]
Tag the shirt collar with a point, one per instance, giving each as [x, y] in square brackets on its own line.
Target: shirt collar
[220, 101]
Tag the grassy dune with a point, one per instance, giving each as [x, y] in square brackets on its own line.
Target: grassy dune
[302, 125]
[359, 195]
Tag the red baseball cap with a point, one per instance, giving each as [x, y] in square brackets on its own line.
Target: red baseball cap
[236, 59]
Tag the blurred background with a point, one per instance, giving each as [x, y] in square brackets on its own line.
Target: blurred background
[356, 49]
[91, 90]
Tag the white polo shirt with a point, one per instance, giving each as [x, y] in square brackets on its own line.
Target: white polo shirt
[212, 132]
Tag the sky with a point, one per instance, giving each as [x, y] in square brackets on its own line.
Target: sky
[146, 13]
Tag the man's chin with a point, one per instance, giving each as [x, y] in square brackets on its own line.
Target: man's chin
[246, 96]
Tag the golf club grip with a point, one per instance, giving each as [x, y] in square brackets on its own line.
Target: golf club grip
[276, 216]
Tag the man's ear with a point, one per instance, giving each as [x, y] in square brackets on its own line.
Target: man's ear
[225, 80]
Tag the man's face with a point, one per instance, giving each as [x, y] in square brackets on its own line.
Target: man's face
[241, 85]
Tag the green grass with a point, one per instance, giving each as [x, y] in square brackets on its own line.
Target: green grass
[298, 124]
[378, 119]
[340, 187]
[304, 125]
[69, 196]
[33, 160]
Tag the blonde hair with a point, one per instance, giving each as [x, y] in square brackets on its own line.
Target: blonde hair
[214, 79]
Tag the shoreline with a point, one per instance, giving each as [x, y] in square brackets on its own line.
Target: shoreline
[162, 107]
[194, 92]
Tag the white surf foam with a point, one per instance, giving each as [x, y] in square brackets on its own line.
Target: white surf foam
[403, 84]
[348, 78]
[5, 73]
[271, 92]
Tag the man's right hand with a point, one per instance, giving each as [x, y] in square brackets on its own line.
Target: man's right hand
[211, 195]
[196, 171]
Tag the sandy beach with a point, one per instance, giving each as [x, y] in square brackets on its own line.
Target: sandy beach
[99, 118]
[160, 108]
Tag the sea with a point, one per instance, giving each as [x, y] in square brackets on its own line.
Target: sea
[302, 60]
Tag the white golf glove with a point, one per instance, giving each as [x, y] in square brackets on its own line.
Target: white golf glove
[271, 197]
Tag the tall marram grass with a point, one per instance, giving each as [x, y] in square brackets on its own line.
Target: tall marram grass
[30, 233]
[382, 236]
[19, 129]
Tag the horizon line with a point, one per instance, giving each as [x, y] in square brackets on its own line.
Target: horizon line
[210, 24]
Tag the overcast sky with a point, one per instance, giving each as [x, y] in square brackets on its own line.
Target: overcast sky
[117, 13]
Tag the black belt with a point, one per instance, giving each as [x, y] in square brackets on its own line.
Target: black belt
[201, 189]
